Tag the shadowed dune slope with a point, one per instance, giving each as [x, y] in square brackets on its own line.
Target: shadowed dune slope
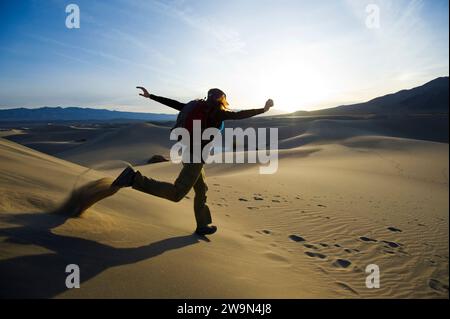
[127, 245]
[135, 143]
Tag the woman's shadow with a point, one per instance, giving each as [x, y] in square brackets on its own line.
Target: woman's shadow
[43, 275]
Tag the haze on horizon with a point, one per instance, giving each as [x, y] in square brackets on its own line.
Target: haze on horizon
[304, 54]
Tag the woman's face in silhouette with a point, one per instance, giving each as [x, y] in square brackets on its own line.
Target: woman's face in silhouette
[217, 99]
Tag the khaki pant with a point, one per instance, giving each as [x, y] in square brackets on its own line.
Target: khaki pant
[192, 175]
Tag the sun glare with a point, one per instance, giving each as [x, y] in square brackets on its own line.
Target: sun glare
[295, 83]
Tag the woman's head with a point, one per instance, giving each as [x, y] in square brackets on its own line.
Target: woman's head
[217, 98]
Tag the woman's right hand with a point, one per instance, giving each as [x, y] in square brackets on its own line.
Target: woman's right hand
[144, 91]
[268, 105]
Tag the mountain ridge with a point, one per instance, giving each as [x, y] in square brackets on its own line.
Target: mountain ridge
[429, 98]
[72, 113]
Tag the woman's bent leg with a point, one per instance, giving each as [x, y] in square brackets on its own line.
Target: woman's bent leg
[174, 192]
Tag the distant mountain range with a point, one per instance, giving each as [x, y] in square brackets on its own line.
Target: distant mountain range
[430, 98]
[77, 114]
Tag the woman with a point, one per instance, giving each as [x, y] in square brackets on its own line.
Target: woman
[192, 175]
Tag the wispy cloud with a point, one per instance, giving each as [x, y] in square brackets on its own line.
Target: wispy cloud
[114, 58]
[226, 38]
[136, 43]
[402, 46]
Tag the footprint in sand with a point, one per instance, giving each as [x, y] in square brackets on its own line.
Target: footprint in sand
[395, 230]
[296, 238]
[437, 285]
[315, 255]
[265, 231]
[342, 263]
[258, 198]
[275, 201]
[243, 199]
[391, 244]
[367, 239]
[252, 207]
[351, 250]
[310, 246]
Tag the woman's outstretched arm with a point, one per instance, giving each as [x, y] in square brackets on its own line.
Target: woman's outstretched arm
[239, 115]
[163, 100]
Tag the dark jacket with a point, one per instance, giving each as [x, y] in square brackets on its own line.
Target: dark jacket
[216, 117]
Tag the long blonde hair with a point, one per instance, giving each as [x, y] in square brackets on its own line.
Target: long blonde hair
[222, 100]
[223, 103]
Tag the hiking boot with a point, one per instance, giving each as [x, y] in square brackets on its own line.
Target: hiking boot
[125, 179]
[206, 230]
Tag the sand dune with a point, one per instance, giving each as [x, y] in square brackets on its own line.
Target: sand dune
[94, 143]
[54, 138]
[308, 231]
[135, 143]
[129, 233]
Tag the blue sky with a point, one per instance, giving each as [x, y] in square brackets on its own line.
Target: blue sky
[303, 54]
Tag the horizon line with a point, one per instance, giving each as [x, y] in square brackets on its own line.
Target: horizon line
[274, 108]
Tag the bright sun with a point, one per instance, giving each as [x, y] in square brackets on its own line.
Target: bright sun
[294, 83]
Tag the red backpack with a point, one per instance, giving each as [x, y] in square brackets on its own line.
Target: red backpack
[194, 110]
